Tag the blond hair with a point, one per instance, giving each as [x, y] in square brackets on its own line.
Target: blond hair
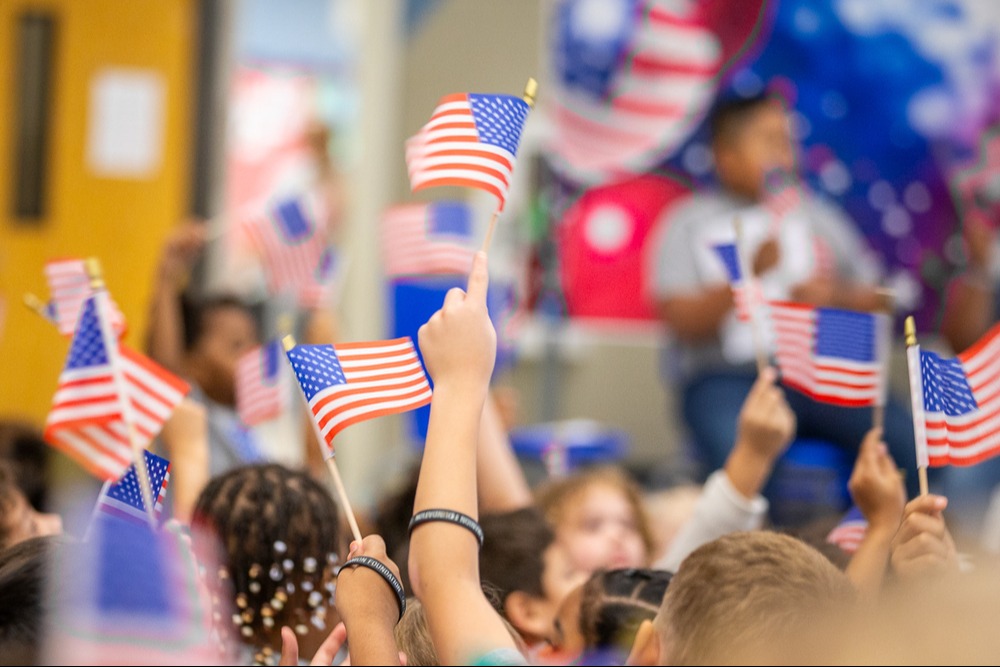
[556, 496]
[736, 597]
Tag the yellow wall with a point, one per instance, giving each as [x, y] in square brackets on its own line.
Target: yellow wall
[123, 222]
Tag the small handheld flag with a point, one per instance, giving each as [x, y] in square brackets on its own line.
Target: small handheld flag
[421, 239]
[960, 403]
[123, 499]
[351, 382]
[470, 141]
[260, 387]
[69, 288]
[290, 238]
[850, 531]
[86, 420]
[746, 292]
[831, 355]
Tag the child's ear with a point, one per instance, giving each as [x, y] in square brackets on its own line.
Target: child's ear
[529, 614]
[646, 647]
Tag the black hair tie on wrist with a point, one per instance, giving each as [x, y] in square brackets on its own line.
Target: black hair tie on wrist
[390, 578]
[448, 516]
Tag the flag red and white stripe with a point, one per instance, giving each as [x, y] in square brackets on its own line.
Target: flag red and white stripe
[829, 372]
[409, 246]
[261, 392]
[289, 236]
[470, 141]
[69, 287]
[660, 88]
[352, 382]
[961, 403]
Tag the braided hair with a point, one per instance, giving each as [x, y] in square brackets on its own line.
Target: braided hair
[277, 535]
[615, 602]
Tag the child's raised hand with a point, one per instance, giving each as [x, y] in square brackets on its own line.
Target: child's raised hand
[766, 423]
[459, 343]
[875, 485]
[766, 426]
[923, 544]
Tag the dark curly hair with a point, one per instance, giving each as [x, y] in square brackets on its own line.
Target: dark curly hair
[278, 533]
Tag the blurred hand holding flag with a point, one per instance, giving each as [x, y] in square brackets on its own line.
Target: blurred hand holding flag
[290, 238]
[850, 531]
[351, 382]
[420, 239]
[261, 390]
[747, 295]
[123, 499]
[86, 420]
[69, 288]
[960, 404]
[471, 142]
[831, 355]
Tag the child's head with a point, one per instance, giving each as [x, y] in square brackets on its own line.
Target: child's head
[22, 444]
[414, 638]
[750, 137]
[20, 521]
[598, 515]
[23, 569]
[532, 572]
[278, 534]
[601, 617]
[217, 332]
[737, 598]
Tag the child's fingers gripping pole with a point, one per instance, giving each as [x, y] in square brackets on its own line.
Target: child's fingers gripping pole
[288, 342]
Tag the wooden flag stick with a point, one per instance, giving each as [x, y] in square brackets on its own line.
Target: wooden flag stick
[917, 402]
[338, 484]
[37, 305]
[530, 92]
[750, 296]
[111, 345]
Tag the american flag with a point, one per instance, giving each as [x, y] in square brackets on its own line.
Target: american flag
[850, 531]
[427, 239]
[86, 420]
[260, 388]
[69, 287]
[833, 356]
[746, 291]
[629, 93]
[352, 382]
[131, 595]
[961, 403]
[470, 141]
[290, 239]
[123, 498]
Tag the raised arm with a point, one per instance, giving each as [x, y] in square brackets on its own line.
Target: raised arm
[878, 491]
[459, 348]
[970, 305]
[165, 331]
[502, 485]
[731, 500]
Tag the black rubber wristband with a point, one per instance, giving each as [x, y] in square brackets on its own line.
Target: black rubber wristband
[448, 516]
[390, 578]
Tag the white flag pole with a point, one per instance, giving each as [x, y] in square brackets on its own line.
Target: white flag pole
[917, 402]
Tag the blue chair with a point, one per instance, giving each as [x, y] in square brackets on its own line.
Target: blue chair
[563, 446]
[809, 481]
